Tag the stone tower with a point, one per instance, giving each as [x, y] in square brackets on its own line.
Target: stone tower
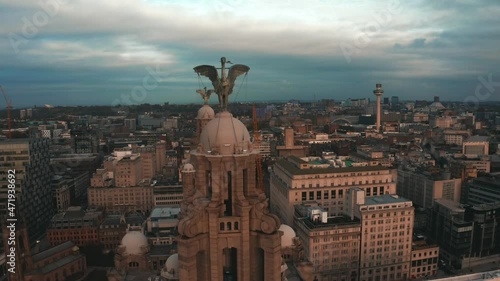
[225, 229]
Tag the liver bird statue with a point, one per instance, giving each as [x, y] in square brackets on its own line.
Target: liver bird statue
[223, 86]
[205, 94]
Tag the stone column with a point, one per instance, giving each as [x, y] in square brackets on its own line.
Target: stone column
[245, 248]
[215, 253]
[187, 259]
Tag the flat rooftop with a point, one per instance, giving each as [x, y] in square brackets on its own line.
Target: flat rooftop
[165, 212]
[477, 139]
[294, 170]
[332, 222]
[385, 199]
[449, 204]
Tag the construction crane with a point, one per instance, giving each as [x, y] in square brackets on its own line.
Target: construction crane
[258, 158]
[9, 107]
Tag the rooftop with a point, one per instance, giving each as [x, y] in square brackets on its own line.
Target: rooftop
[477, 139]
[165, 212]
[449, 204]
[338, 221]
[52, 251]
[294, 170]
[385, 199]
[57, 264]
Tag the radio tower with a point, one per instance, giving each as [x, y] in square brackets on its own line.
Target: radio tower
[378, 92]
[9, 106]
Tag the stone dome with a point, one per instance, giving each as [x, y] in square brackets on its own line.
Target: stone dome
[171, 268]
[134, 243]
[225, 135]
[172, 262]
[288, 235]
[188, 168]
[205, 112]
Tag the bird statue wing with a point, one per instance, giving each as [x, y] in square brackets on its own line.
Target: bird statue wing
[235, 71]
[210, 72]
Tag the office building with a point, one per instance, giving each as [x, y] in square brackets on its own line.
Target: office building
[30, 160]
[423, 186]
[331, 244]
[482, 190]
[476, 145]
[296, 180]
[76, 225]
[386, 234]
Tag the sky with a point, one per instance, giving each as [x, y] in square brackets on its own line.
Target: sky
[94, 52]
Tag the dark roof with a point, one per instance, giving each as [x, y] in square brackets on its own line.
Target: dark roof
[57, 264]
[52, 251]
[163, 250]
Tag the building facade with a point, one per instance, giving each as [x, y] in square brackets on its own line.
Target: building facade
[386, 234]
[30, 160]
[122, 199]
[76, 225]
[331, 245]
[423, 187]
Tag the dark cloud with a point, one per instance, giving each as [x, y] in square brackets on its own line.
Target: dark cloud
[95, 55]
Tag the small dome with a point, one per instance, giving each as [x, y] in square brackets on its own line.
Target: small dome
[75, 249]
[288, 235]
[188, 168]
[225, 135]
[171, 268]
[437, 105]
[172, 262]
[206, 112]
[134, 243]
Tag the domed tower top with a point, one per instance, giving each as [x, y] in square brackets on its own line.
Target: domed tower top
[225, 135]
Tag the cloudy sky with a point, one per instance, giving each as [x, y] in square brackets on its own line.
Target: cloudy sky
[69, 52]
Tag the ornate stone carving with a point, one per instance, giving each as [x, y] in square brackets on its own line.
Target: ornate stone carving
[262, 220]
[192, 221]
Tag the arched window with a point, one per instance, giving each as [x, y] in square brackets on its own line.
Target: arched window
[228, 226]
[221, 226]
[236, 226]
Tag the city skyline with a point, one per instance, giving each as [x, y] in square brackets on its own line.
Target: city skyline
[92, 53]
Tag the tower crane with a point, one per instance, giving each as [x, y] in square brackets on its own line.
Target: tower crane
[8, 101]
[258, 158]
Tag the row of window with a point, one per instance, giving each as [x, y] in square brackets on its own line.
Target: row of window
[332, 184]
